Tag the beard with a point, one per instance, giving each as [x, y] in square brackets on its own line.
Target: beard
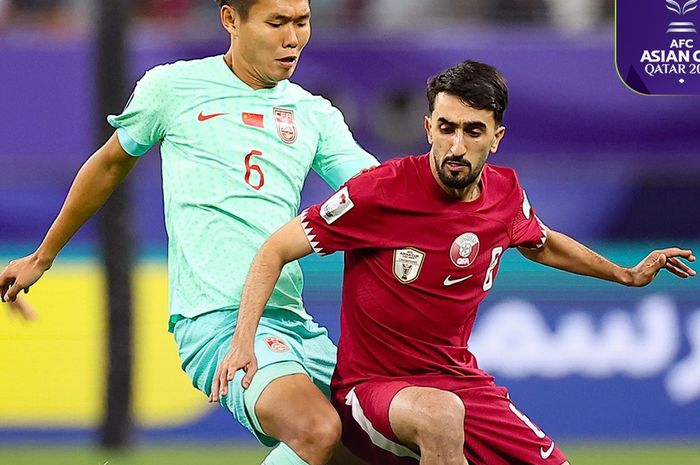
[458, 181]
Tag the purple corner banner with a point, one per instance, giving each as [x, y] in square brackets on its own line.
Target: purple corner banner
[657, 46]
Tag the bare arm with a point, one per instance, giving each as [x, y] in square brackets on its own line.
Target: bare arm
[289, 243]
[92, 186]
[562, 252]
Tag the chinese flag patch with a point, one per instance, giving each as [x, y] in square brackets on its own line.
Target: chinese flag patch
[253, 119]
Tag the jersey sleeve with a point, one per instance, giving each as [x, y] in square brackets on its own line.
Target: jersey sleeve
[338, 156]
[143, 122]
[527, 230]
[355, 217]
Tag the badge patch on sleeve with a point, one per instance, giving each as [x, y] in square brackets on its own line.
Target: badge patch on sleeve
[407, 264]
[338, 205]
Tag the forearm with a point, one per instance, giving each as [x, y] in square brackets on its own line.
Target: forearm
[287, 244]
[564, 253]
[96, 180]
[262, 277]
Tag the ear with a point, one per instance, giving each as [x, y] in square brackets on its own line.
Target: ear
[498, 136]
[428, 126]
[230, 19]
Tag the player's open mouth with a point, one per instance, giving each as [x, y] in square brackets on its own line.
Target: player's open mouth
[287, 62]
[454, 165]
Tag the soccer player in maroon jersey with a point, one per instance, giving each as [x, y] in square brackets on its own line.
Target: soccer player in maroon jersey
[423, 238]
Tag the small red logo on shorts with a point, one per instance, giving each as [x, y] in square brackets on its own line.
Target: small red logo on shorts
[276, 344]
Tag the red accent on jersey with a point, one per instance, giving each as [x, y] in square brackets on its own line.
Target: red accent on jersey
[276, 344]
[253, 119]
[203, 117]
[401, 315]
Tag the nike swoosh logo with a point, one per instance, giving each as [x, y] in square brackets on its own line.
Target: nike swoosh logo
[546, 453]
[449, 281]
[203, 117]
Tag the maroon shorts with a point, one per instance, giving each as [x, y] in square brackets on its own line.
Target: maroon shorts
[496, 433]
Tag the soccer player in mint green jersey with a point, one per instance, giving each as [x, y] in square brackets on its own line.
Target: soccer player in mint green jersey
[237, 141]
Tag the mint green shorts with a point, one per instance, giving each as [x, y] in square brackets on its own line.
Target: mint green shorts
[284, 344]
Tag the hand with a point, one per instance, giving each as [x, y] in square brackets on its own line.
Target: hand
[646, 270]
[235, 360]
[21, 307]
[20, 275]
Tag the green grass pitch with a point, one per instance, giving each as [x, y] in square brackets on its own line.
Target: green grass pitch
[198, 454]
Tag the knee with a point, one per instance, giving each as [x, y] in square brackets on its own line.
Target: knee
[317, 434]
[440, 416]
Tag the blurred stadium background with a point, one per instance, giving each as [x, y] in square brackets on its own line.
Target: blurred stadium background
[612, 374]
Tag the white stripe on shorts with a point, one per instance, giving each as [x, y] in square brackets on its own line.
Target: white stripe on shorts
[377, 438]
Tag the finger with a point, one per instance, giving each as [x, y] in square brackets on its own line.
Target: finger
[214, 395]
[682, 266]
[12, 292]
[679, 268]
[250, 372]
[4, 287]
[245, 382]
[676, 271]
[223, 384]
[677, 252]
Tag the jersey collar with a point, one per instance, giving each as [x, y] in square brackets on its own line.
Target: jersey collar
[231, 78]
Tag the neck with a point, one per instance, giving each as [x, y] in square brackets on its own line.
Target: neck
[466, 194]
[247, 77]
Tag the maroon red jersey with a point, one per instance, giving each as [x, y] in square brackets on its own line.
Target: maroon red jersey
[418, 263]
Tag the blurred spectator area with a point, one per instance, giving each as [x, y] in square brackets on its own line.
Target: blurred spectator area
[571, 16]
[598, 161]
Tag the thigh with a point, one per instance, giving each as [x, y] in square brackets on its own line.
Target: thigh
[498, 433]
[292, 404]
[424, 416]
[367, 432]
[203, 343]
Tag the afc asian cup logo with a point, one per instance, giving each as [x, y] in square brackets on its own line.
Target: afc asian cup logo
[276, 344]
[286, 127]
[681, 26]
[464, 250]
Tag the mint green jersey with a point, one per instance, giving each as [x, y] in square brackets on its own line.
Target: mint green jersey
[234, 162]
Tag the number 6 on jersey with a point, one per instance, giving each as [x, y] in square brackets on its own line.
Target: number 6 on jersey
[252, 167]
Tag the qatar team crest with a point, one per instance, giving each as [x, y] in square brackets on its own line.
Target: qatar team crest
[276, 344]
[464, 250]
[286, 127]
[407, 264]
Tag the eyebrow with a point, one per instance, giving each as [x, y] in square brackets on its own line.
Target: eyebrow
[466, 125]
[281, 17]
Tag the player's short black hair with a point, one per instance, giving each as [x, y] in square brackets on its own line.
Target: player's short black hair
[241, 6]
[480, 85]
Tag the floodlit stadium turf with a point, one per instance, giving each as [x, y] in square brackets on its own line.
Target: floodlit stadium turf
[245, 455]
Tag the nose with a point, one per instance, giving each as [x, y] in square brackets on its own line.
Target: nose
[291, 40]
[458, 146]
